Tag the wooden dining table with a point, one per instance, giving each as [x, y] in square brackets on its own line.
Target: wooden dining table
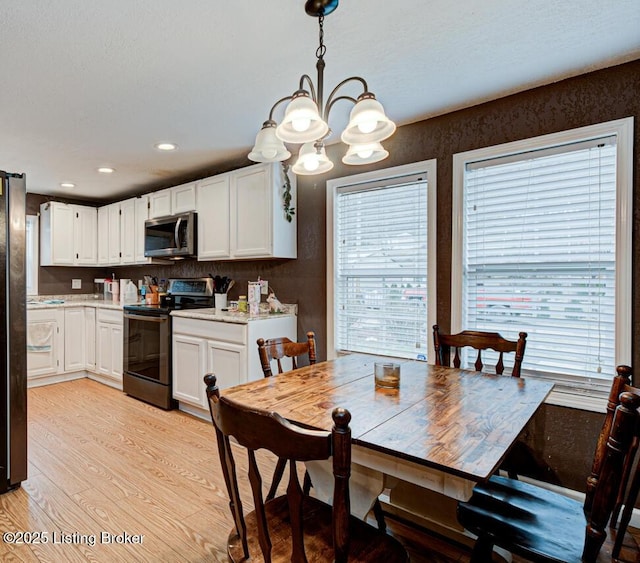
[443, 429]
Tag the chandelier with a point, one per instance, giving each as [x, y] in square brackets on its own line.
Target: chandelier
[306, 118]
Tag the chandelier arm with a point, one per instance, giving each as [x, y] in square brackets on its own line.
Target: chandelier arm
[312, 88]
[340, 85]
[274, 106]
[330, 105]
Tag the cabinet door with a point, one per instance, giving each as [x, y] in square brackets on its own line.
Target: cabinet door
[141, 215]
[103, 348]
[44, 343]
[85, 235]
[228, 362]
[213, 217]
[103, 235]
[74, 339]
[117, 345]
[183, 198]
[160, 204]
[89, 338]
[127, 229]
[189, 369]
[56, 236]
[114, 233]
[251, 206]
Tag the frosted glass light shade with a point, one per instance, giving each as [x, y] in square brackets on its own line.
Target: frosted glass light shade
[367, 123]
[365, 154]
[268, 147]
[312, 160]
[302, 122]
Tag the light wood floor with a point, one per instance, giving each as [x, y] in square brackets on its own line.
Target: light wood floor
[102, 465]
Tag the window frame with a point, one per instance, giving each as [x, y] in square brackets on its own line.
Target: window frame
[427, 167]
[594, 398]
[34, 261]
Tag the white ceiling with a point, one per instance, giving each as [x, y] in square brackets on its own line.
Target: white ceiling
[89, 84]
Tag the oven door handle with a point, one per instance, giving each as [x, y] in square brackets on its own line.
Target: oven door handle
[149, 318]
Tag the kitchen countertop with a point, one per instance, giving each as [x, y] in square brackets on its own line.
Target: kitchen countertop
[234, 316]
[51, 303]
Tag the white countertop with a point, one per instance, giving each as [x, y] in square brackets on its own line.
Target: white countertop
[55, 304]
[229, 316]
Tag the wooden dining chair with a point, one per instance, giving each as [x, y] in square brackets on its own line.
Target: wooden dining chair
[278, 348]
[294, 526]
[480, 341]
[545, 526]
[630, 484]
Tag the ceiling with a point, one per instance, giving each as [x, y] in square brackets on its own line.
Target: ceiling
[90, 84]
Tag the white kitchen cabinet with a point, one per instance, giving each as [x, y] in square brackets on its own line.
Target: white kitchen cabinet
[241, 216]
[68, 235]
[160, 204]
[183, 198]
[228, 350]
[45, 343]
[213, 217]
[109, 344]
[127, 229]
[103, 235]
[114, 234]
[74, 339]
[259, 228]
[89, 338]
[171, 201]
[189, 357]
[141, 215]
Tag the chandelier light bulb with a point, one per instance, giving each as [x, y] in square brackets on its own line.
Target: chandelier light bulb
[301, 124]
[311, 164]
[365, 153]
[367, 126]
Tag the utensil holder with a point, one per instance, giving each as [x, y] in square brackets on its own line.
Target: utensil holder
[220, 300]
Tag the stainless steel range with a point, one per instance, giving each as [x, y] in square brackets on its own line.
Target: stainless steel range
[147, 340]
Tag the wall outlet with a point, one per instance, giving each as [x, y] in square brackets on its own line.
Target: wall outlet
[264, 287]
[76, 284]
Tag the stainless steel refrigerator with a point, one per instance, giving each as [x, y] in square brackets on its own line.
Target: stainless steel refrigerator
[13, 360]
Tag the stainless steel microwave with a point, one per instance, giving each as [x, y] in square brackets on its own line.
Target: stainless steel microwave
[171, 237]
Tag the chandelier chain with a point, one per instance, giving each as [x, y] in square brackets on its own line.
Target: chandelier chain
[322, 49]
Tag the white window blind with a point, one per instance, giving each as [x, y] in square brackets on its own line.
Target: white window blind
[539, 254]
[381, 268]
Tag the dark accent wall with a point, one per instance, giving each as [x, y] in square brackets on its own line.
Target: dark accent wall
[558, 444]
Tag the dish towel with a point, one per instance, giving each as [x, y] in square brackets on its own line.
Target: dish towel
[40, 336]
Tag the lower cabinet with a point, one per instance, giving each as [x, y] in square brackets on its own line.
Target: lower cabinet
[74, 336]
[65, 343]
[109, 339]
[227, 350]
[45, 344]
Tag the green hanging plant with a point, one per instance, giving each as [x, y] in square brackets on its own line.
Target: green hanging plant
[289, 211]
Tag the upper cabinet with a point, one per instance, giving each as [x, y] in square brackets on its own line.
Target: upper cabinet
[68, 235]
[173, 201]
[213, 218]
[241, 215]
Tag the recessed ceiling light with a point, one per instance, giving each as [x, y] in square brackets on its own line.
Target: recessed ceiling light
[106, 170]
[166, 146]
[67, 185]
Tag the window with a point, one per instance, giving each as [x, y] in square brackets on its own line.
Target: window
[543, 245]
[380, 295]
[31, 244]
